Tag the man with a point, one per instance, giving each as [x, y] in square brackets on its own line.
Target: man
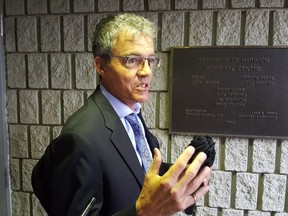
[95, 167]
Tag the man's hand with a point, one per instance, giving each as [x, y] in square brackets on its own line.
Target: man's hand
[172, 192]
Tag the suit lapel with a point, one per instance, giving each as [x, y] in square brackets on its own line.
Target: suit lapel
[119, 137]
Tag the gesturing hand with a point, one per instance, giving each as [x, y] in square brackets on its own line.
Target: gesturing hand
[171, 193]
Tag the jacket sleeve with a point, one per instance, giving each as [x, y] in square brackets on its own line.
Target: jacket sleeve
[69, 176]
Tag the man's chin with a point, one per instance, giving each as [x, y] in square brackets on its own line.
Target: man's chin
[142, 98]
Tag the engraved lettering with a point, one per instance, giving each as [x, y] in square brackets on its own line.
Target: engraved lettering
[213, 60]
[230, 121]
[250, 60]
[219, 68]
[249, 68]
[260, 115]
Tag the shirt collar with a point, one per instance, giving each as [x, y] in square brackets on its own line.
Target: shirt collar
[120, 108]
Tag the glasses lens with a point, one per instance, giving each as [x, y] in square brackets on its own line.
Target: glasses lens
[153, 62]
[133, 62]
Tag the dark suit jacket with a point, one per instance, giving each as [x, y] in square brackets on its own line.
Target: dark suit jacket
[92, 157]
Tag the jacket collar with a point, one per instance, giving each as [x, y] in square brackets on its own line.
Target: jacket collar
[119, 137]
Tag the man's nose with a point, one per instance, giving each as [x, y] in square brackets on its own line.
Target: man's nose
[145, 68]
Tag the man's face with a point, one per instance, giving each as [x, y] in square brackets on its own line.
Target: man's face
[129, 85]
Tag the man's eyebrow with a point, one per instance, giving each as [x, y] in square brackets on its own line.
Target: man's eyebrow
[137, 54]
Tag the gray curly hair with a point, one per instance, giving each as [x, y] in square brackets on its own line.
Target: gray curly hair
[108, 29]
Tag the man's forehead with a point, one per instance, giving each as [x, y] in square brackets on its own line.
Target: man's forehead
[130, 44]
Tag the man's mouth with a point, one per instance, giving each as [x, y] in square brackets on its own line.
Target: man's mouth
[142, 86]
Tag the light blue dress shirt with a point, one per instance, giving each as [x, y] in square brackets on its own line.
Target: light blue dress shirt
[122, 111]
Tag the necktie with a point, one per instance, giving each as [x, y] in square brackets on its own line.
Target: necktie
[140, 141]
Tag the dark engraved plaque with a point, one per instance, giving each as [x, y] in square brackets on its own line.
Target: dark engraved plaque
[231, 91]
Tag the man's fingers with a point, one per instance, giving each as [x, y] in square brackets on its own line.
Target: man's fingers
[181, 163]
[198, 182]
[197, 195]
[193, 168]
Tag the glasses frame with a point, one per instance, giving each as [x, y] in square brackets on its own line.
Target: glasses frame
[141, 61]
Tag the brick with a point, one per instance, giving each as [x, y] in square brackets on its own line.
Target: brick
[37, 71]
[14, 168]
[16, 70]
[50, 33]
[60, 6]
[18, 139]
[149, 110]
[242, 3]
[56, 131]
[10, 38]
[264, 154]
[258, 213]
[281, 214]
[217, 156]
[200, 201]
[164, 115]
[220, 189]
[73, 32]
[85, 72]
[273, 198]
[160, 74]
[20, 204]
[236, 154]
[271, 3]
[179, 214]
[280, 27]
[108, 6]
[39, 138]
[213, 4]
[178, 144]
[200, 28]
[83, 5]
[14, 7]
[284, 157]
[12, 105]
[93, 20]
[206, 211]
[257, 27]
[232, 212]
[37, 208]
[27, 34]
[159, 5]
[184, 4]
[246, 191]
[29, 106]
[133, 5]
[61, 71]
[27, 167]
[172, 30]
[72, 101]
[51, 107]
[163, 138]
[88, 94]
[37, 7]
[228, 27]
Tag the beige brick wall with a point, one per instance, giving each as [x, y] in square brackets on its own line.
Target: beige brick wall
[50, 73]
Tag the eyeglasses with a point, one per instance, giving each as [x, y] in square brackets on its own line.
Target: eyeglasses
[134, 61]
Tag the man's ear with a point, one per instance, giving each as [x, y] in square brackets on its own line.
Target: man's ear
[99, 64]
